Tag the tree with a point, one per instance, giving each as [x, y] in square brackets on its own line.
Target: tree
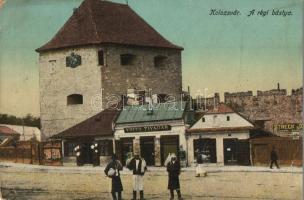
[28, 120]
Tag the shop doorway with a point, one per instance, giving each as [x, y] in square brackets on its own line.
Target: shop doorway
[168, 144]
[147, 150]
[207, 148]
[230, 151]
[86, 153]
[126, 149]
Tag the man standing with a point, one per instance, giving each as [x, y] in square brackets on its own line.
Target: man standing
[274, 158]
[173, 169]
[138, 165]
[112, 171]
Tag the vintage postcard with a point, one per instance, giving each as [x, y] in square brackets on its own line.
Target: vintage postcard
[151, 99]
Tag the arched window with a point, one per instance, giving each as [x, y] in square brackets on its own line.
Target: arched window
[74, 99]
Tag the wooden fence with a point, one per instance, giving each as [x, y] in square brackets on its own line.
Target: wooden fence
[289, 151]
[32, 152]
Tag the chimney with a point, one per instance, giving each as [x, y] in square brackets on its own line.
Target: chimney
[278, 86]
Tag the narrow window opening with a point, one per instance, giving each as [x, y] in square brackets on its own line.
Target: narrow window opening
[74, 99]
[228, 118]
[203, 119]
[100, 57]
[127, 59]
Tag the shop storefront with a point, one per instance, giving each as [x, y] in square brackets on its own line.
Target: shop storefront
[151, 133]
[91, 141]
[220, 136]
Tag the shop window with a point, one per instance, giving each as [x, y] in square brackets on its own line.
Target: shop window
[203, 119]
[228, 118]
[69, 149]
[106, 147]
[127, 59]
[205, 147]
[100, 57]
[74, 99]
[160, 61]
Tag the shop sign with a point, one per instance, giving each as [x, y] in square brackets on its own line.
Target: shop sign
[147, 129]
[289, 127]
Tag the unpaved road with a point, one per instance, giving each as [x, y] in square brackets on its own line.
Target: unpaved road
[224, 185]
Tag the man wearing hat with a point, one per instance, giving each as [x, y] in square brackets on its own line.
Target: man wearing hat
[138, 165]
[174, 169]
[112, 170]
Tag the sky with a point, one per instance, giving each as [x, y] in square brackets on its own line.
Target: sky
[221, 53]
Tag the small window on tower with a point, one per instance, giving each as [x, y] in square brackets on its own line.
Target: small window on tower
[203, 119]
[74, 99]
[160, 61]
[100, 57]
[228, 118]
[127, 59]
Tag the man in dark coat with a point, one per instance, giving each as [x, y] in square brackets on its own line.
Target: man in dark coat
[138, 166]
[112, 171]
[274, 158]
[173, 169]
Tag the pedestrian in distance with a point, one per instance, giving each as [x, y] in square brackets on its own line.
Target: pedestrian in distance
[112, 170]
[174, 170]
[274, 158]
[139, 167]
[199, 164]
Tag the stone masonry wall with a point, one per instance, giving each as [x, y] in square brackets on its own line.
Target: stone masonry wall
[58, 81]
[142, 74]
[96, 83]
[273, 106]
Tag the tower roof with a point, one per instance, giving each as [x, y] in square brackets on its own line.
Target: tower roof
[103, 22]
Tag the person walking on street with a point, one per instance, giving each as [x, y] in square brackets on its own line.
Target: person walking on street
[274, 158]
[112, 170]
[138, 166]
[199, 161]
[174, 169]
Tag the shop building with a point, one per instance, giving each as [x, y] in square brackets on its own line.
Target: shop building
[222, 135]
[153, 132]
[97, 130]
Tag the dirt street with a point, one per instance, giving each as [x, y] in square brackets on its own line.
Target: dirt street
[222, 185]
